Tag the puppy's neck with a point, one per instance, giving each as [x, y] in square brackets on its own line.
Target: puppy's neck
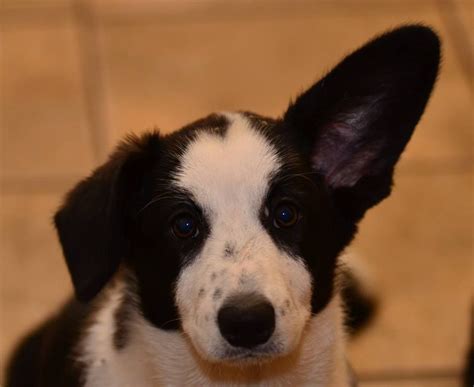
[152, 357]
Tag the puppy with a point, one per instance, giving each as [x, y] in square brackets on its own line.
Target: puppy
[208, 257]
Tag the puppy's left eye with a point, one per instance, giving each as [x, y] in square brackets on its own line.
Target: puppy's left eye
[285, 215]
[185, 226]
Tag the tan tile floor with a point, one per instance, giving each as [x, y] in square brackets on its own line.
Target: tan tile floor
[42, 98]
[76, 78]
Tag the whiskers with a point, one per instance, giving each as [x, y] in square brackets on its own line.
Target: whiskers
[178, 197]
[167, 323]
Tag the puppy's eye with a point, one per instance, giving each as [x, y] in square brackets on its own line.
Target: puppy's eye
[185, 226]
[285, 215]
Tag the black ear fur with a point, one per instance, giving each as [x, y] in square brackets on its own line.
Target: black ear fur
[92, 222]
[356, 121]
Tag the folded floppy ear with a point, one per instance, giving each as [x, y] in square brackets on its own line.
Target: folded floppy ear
[92, 222]
[356, 121]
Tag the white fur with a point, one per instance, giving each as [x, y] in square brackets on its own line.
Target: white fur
[105, 366]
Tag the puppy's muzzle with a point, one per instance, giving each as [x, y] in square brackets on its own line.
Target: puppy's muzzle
[246, 320]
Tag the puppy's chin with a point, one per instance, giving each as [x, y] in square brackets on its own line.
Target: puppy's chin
[244, 358]
[228, 356]
[241, 359]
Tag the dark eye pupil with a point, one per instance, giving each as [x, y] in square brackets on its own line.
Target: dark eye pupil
[184, 227]
[285, 216]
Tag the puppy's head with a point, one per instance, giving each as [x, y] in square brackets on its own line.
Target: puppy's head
[232, 226]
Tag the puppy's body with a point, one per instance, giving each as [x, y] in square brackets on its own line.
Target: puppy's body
[209, 256]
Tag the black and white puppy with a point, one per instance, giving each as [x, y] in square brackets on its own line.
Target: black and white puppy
[208, 257]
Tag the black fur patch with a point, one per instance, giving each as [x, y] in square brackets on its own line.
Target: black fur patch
[360, 307]
[47, 356]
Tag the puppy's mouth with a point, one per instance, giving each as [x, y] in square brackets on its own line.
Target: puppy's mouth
[238, 356]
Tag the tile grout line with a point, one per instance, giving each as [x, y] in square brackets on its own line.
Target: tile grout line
[92, 77]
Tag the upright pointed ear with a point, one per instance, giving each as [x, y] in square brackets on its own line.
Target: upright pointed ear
[92, 223]
[356, 121]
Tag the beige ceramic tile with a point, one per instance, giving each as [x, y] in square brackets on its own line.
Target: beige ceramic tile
[33, 276]
[43, 126]
[166, 71]
[419, 244]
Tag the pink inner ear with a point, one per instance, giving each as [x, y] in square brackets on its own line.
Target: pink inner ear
[344, 154]
[348, 147]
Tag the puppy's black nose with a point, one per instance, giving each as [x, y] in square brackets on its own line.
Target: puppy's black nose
[246, 320]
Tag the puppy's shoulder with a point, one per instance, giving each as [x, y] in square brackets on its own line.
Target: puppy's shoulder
[47, 356]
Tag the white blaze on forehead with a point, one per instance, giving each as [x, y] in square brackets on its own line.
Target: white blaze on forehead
[229, 177]
[230, 171]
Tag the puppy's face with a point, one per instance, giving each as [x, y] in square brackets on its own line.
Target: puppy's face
[245, 291]
[242, 218]
[232, 226]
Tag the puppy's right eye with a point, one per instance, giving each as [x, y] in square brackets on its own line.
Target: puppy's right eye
[185, 226]
[285, 216]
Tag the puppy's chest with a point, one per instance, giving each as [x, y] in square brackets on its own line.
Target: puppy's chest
[128, 367]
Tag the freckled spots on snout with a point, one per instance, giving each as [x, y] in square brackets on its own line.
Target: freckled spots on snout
[285, 307]
[229, 250]
[246, 279]
[217, 294]
[213, 276]
[201, 292]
